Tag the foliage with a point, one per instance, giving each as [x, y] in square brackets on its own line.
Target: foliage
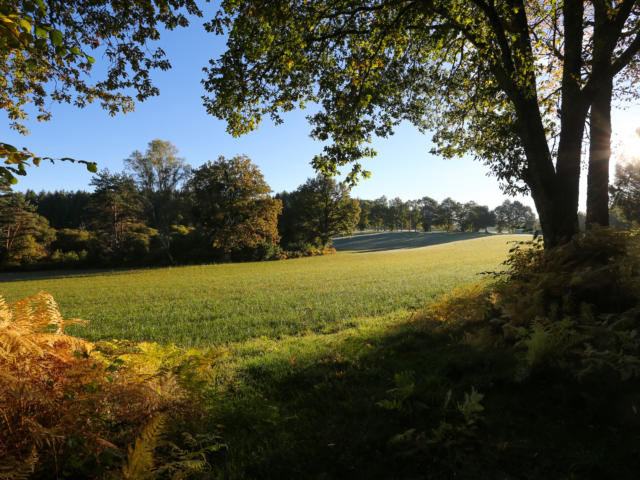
[449, 214]
[429, 212]
[116, 210]
[625, 190]
[71, 405]
[232, 206]
[316, 211]
[69, 240]
[25, 236]
[45, 49]
[510, 83]
[405, 386]
[576, 305]
[475, 217]
[514, 215]
[463, 305]
[63, 209]
[160, 174]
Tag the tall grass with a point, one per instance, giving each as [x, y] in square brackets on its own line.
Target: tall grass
[199, 305]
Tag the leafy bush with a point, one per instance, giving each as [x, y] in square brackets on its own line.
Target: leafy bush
[71, 406]
[576, 306]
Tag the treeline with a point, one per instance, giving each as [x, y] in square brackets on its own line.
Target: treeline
[449, 215]
[160, 210]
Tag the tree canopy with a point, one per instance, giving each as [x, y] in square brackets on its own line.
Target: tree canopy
[46, 50]
[319, 209]
[232, 205]
[160, 174]
[625, 190]
[512, 83]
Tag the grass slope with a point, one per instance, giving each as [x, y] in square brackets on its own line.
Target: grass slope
[199, 305]
[385, 400]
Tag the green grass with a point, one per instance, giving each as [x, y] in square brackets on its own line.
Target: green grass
[313, 407]
[317, 345]
[200, 305]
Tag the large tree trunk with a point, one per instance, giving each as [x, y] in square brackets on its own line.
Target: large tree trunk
[604, 41]
[554, 190]
[599, 153]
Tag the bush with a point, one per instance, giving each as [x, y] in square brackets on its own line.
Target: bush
[71, 406]
[69, 239]
[576, 306]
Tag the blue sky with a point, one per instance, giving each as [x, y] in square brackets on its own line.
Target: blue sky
[403, 167]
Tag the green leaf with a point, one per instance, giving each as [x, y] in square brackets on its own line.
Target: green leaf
[24, 23]
[92, 167]
[41, 5]
[56, 38]
[90, 59]
[75, 51]
[41, 32]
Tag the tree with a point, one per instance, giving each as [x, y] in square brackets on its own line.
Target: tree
[512, 83]
[159, 174]
[397, 214]
[514, 215]
[24, 235]
[365, 220]
[232, 206]
[474, 217]
[379, 212]
[318, 210]
[116, 211]
[448, 214]
[413, 215]
[428, 212]
[482, 218]
[625, 190]
[44, 57]
[63, 209]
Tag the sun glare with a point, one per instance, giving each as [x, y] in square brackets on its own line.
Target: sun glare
[629, 143]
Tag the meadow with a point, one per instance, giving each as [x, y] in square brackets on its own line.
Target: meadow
[214, 304]
[328, 367]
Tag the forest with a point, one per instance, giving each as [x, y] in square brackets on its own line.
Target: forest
[161, 211]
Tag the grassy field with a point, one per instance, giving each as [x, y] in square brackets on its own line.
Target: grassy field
[199, 305]
[325, 373]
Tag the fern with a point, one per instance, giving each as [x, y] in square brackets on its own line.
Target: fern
[139, 463]
[57, 390]
[19, 469]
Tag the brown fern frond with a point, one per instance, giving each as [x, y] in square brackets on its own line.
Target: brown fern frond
[13, 469]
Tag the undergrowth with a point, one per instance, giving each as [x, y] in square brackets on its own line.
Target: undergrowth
[70, 407]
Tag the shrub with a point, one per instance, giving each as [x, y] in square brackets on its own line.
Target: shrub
[463, 305]
[68, 404]
[577, 305]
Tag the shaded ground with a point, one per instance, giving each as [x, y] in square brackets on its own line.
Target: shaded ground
[385, 401]
[378, 241]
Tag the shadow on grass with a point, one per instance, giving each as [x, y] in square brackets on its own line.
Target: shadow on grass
[375, 406]
[71, 273]
[378, 241]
